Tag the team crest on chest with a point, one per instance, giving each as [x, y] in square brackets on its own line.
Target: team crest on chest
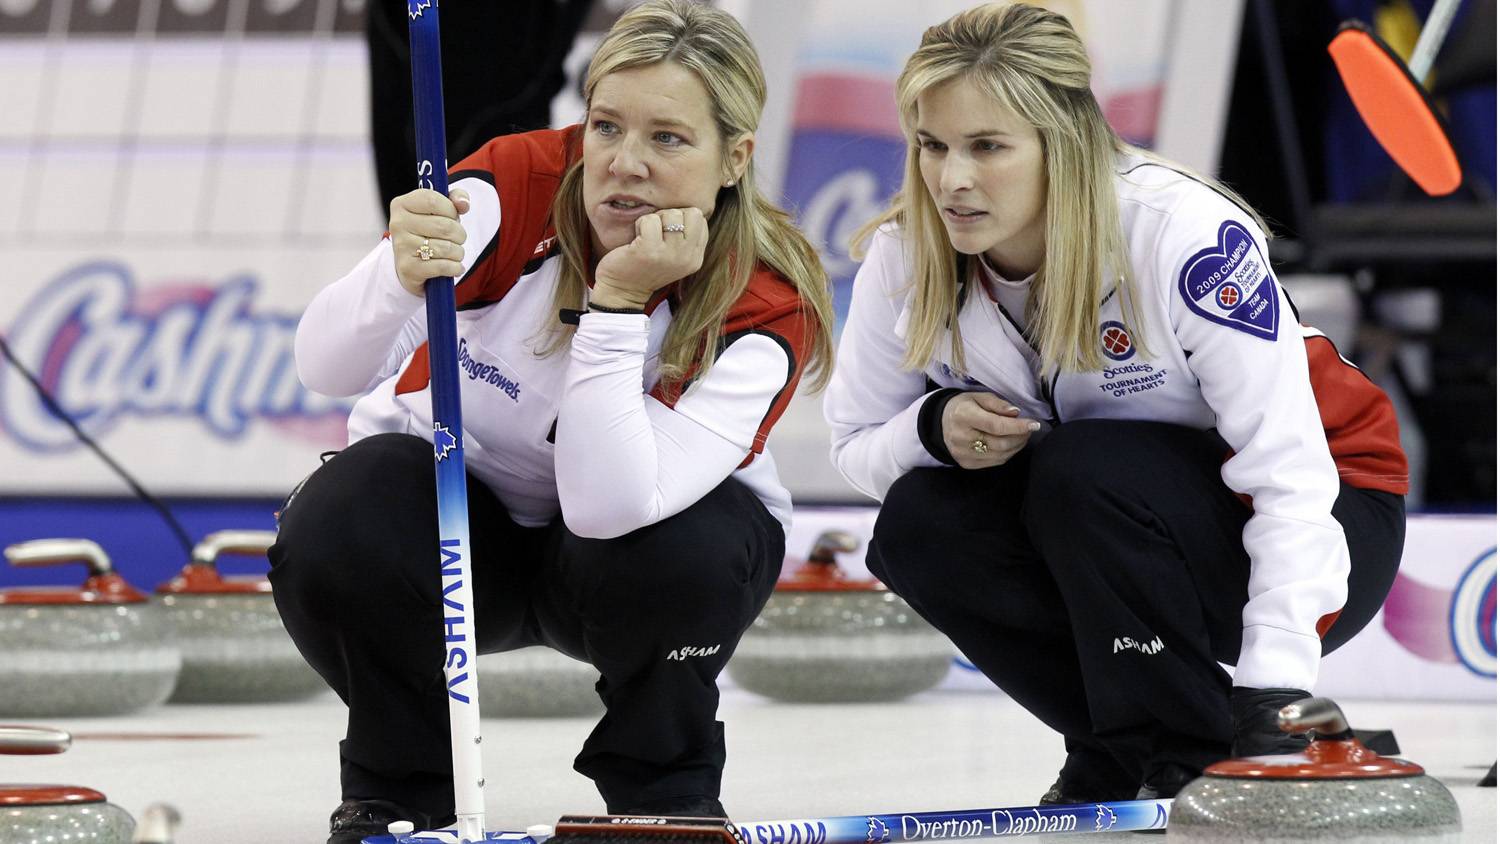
[1230, 283]
[1115, 341]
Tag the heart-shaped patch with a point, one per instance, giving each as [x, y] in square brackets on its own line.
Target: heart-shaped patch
[1230, 283]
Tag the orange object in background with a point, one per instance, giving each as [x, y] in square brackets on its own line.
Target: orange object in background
[1394, 106]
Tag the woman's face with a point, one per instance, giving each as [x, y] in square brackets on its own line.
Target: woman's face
[651, 143]
[984, 170]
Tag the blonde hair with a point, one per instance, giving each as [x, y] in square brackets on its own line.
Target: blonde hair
[745, 228]
[1032, 62]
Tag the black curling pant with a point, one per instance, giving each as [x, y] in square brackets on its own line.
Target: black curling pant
[355, 576]
[1101, 531]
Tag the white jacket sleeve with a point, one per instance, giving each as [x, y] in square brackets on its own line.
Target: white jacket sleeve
[1247, 352]
[872, 404]
[625, 460]
[357, 330]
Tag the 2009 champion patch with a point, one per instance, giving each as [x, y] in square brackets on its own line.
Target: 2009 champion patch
[1230, 283]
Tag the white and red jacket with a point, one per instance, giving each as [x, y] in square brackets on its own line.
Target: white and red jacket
[1225, 352]
[590, 431]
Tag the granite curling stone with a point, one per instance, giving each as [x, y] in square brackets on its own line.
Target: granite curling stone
[1337, 790]
[48, 814]
[537, 682]
[234, 647]
[824, 637]
[99, 649]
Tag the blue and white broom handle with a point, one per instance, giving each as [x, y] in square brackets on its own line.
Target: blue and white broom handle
[1122, 816]
[460, 663]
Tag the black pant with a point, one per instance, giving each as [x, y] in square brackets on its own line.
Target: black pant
[355, 576]
[502, 66]
[1101, 531]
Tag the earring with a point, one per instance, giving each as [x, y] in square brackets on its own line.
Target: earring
[729, 183]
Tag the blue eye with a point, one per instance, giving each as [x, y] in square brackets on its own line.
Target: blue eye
[668, 138]
[933, 146]
[988, 146]
[604, 127]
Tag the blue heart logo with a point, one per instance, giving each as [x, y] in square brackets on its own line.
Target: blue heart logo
[1231, 284]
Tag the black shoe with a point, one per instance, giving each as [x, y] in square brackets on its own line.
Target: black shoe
[1381, 741]
[680, 807]
[1164, 782]
[355, 820]
[1089, 776]
[1064, 793]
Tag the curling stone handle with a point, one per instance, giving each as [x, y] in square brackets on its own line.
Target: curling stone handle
[53, 552]
[249, 542]
[830, 542]
[1319, 715]
[33, 741]
[158, 823]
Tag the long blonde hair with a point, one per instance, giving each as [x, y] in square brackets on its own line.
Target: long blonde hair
[1032, 62]
[745, 228]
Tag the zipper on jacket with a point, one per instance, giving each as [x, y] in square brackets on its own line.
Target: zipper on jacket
[1049, 392]
[1043, 387]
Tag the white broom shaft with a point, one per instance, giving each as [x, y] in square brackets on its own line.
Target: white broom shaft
[1431, 38]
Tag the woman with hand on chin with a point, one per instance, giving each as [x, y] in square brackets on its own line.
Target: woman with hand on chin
[633, 317]
[1109, 457]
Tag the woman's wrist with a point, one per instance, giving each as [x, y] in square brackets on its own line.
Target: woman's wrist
[614, 299]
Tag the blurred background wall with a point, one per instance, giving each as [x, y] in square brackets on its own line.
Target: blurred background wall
[181, 176]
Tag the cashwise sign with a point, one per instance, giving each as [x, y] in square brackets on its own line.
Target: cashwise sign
[182, 191]
[185, 376]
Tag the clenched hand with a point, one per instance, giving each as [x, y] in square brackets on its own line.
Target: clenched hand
[424, 222]
[972, 418]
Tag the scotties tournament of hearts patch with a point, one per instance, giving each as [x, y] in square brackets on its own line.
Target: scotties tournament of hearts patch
[1230, 284]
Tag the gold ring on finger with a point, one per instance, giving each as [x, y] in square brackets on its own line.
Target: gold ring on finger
[425, 250]
[979, 445]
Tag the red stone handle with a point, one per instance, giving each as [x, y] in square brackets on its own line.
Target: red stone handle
[56, 552]
[16, 740]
